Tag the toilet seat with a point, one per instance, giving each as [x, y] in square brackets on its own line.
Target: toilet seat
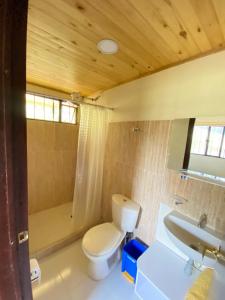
[102, 239]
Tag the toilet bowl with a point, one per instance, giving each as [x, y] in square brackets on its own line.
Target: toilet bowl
[101, 244]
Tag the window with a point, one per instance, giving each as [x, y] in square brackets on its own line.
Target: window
[209, 140]
[215, 140]
[44, 108]
[199, 139]
[68, 113]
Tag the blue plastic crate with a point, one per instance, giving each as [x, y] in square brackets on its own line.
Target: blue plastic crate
[131, 251]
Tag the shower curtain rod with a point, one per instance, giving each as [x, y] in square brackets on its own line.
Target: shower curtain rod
[70, 100]
[86, 103]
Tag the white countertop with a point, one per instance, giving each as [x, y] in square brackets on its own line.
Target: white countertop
[165, 269]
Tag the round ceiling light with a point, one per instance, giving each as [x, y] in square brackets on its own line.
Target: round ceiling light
[107, 46]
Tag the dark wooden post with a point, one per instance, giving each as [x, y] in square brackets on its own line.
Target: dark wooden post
[14, 258]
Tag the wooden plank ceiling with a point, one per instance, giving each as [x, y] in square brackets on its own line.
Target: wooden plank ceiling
[152, 35]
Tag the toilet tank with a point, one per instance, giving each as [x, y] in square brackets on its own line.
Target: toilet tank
[125, 212]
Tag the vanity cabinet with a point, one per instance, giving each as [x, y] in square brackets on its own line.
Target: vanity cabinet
[161, 275]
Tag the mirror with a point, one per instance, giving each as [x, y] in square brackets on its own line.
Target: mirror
[179, 144]
[198, 147]
[207, 153]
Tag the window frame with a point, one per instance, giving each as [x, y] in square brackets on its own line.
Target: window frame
[60, 101]
[60, 111]
[208, 140]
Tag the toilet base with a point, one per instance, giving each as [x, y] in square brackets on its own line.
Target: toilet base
[99, 268]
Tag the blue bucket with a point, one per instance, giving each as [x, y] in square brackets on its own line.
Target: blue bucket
[131, 252]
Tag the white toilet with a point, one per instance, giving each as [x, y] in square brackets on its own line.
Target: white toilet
[101, 244]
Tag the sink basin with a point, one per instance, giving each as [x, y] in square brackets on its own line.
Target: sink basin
[192, 240]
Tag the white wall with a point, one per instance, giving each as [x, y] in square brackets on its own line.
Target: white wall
[193, 89]
[207, 164]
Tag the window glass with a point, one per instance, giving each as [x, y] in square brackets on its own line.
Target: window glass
[68, 113]
[199, 140]
[56, 110]
[215, 139]
[39, 111]
[30, 106]
[49, 109]
[43, 108]
[72, 115]
[65, 113]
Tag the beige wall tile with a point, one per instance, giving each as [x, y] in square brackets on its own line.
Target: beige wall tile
[40, 135]
[135, 165]
[52, 149]
[66, 136]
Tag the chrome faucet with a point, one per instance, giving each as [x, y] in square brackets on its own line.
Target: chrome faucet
[218, 254]
[202, 221]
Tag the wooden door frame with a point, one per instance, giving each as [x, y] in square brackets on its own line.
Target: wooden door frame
[14, 258]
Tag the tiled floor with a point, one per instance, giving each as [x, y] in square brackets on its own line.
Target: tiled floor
[50, 226]
[64, 277]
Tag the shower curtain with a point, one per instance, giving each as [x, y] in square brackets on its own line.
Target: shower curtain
[89, 169]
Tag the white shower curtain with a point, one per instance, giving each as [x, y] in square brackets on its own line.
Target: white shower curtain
[89, 169]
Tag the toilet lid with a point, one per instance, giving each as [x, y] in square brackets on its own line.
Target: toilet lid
[101, 239]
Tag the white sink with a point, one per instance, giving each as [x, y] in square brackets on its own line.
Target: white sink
[190, 239]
